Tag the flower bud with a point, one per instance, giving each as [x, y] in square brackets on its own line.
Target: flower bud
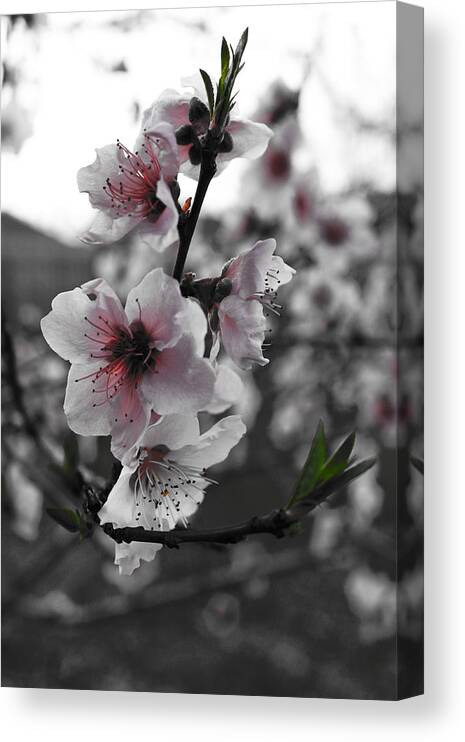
[222, 290]
[199, 116]
[185, 135]
[195, 153]
[226, 143]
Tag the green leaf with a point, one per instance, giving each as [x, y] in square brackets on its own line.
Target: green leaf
[310, 474]
[224, 58]
[323, 490]
[338, 461]
[418, 464]
[69, 519]
[70, 453]
[209, 89]
[241, 45]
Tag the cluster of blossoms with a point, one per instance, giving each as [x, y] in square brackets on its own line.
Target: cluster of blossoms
[142, 373]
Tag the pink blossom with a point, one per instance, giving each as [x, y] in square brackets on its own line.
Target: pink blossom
[164, 479]
[134, 189]
[250, 281]
[243, 138]
[127, 362]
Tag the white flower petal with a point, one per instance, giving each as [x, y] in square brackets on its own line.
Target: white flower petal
[172, 431]
[105, 230]
[130, 419]
[281, 273]
[242, 327]
[248, 271]
[119, 509]
[66, 328]
[85, 415]
[92, 178]
[129, 556]
[170, 107]
[250, 139]
[214, 445]
[194, 322]
[195, 83]
[182, 383]
[228, 390]
[157, 301]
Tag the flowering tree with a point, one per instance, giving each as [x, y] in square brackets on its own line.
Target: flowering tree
[143, 373]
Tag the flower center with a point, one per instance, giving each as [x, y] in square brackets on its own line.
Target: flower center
[134, 191]
[126, 354]
[164, 486]
[132, 348]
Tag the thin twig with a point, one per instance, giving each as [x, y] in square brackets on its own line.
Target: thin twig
[187, 224]
[274, 523]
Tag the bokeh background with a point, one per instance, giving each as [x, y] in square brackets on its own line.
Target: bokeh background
[336, 611]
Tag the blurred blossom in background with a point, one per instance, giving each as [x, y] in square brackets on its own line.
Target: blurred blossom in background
[315, 615]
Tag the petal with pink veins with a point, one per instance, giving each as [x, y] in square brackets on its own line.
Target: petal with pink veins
[248, 271]
[182, 382]
[158, 303]
[65, 329]
[105, 303]
[130, 419]
[92, 178]
[162, 232]
[160, 141]
[170, 106]
[242, 327]
[87, 410]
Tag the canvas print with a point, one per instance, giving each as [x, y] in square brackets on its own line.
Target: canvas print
[212, 350]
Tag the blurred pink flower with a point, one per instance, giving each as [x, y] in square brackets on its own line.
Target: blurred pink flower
[250, 282]
[126, 363]
[133, 189]
[189, 115]
[164, 479]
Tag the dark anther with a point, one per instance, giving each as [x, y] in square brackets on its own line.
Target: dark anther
[226, 143]
[185, 135]
[199, 116]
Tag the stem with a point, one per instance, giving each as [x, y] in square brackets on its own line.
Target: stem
[274, 523]
[186, 227]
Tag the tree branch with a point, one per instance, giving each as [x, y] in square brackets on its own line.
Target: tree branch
[274, 523]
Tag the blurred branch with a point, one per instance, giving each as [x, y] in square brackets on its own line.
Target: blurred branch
[355, 341]
[172, 591]
[11, 373]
